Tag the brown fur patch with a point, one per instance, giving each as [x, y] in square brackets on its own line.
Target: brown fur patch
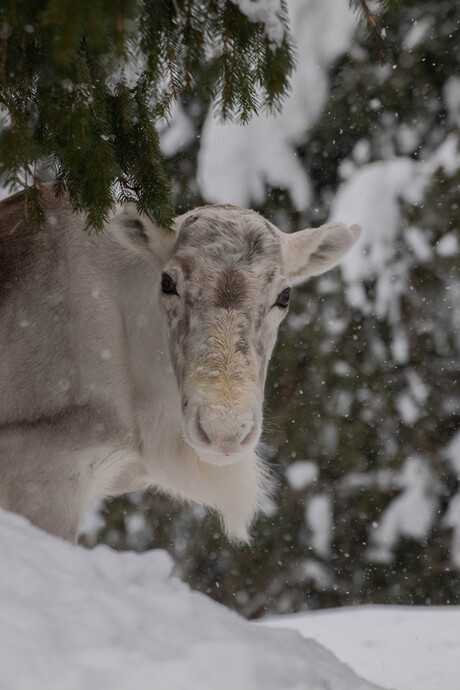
[231, 290]
[242, 346]
[20, 244]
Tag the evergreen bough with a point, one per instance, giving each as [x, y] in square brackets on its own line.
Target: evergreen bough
[85, 83]
[374, 23]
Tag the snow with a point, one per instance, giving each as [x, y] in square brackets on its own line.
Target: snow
[452, 98]
[452, 516]
[318, 516]
[448, 245]
[400, 346]
[268, 12]
[411, 514]
[75, 619]
[418, 242]
[317, 573]
[403, 648]
[301, 474]
[79, 620]
[236, 164]
[177, 132]
[452, 452]
[408, 410]
[418, 32]
[452, 520]
[418, 388]
[371, 197]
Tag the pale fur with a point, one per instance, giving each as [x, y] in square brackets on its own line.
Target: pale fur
[92, 389]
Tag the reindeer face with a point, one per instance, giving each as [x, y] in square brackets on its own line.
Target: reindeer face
[225, 287]
[224, 292]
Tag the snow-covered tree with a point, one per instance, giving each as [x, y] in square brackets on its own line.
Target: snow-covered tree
[83, 86]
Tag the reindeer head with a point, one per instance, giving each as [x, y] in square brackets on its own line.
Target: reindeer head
[225, 286]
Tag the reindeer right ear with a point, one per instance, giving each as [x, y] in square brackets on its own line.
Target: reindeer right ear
[142, 235]
[313, 251]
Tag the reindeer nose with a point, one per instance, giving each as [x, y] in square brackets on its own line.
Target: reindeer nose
[228, 434]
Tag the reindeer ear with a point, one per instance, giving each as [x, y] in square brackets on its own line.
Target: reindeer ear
[142, 235]
[316, 250]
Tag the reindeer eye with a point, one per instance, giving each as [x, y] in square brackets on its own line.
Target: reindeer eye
[168, 286]
[283, 298]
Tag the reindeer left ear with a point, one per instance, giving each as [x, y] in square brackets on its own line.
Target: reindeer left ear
[316, 250]
[141, 235]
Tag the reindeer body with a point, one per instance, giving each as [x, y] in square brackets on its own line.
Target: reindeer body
[137, 358]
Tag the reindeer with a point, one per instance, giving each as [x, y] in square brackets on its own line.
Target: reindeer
[137, 358]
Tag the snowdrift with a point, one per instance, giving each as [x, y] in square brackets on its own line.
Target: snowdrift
[401, 647]
[73, 619]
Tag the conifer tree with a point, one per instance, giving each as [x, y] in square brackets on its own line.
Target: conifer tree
[84, 84]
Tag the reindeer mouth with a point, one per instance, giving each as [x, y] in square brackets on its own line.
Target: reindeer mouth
[220, 459]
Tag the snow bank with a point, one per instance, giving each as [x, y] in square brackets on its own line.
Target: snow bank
[79, 620]
[401, 647]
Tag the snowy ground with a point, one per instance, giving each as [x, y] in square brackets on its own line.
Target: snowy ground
[405, 648]
[73, 619]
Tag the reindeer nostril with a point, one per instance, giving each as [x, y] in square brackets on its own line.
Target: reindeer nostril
[202, 435]
[250, 435]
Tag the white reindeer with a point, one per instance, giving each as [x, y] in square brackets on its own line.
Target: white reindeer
[138, 358]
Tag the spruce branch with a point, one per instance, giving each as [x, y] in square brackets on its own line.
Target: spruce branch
[85, 84]
[177, 9]
[373, 24]
[78, 102]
